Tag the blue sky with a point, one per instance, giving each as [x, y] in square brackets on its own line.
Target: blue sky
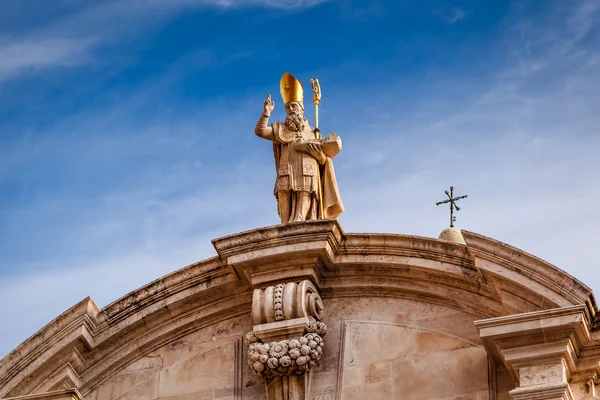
[126, 130]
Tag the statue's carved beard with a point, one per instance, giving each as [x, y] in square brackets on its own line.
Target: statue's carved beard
[295, 122]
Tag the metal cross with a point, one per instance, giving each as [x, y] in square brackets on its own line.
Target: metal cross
[452, 200]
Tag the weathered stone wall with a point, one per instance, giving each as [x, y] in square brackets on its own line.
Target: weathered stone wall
[198, 366]
[397, 348]
[385, 347]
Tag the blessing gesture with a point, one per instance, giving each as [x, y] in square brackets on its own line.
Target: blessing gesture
[269, 105]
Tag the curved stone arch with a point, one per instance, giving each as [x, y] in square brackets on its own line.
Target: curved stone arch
[532, 275]
[85, 346]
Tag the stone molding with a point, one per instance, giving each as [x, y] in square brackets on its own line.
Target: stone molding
[555, 286]
[85, 345]
[543, 350]
[69, 394]
[69, 334]
[559, 391]
[91, 344]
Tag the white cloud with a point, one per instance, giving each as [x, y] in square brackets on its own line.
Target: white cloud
[449, 13]
[35, 54]
[456, 15]
[282, 4]
[70, 41]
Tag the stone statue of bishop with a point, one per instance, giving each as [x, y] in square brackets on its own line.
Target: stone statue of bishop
[305, 188]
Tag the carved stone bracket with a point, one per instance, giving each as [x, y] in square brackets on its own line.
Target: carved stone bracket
[286, 341]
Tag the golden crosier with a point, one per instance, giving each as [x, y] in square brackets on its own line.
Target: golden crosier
[291, 88]
[316, 99]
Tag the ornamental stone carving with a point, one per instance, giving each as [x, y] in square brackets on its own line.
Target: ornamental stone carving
[287, 338]
[286, 357]
[287, 301]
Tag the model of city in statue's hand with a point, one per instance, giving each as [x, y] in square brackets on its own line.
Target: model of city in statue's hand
[305, 187]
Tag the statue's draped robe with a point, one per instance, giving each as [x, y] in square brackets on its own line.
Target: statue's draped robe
[332, 201]
[298, 171]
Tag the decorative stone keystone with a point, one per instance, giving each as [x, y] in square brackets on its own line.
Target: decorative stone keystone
[286, 341]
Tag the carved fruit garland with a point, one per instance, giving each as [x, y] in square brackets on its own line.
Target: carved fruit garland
[286, 357]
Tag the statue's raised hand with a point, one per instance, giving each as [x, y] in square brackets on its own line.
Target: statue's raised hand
[269, 105]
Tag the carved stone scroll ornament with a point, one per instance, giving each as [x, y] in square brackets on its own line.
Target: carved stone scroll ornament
[287, 339]
[287, 301]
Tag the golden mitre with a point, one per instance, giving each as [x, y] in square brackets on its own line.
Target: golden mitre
[291, 88]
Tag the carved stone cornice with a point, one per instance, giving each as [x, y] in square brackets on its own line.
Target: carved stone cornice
[517, 338]
[262, 256]
[541, 350]
[61, 343]
[84, 346]
[511, 265]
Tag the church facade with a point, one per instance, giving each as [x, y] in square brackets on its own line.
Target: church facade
[306, 311]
